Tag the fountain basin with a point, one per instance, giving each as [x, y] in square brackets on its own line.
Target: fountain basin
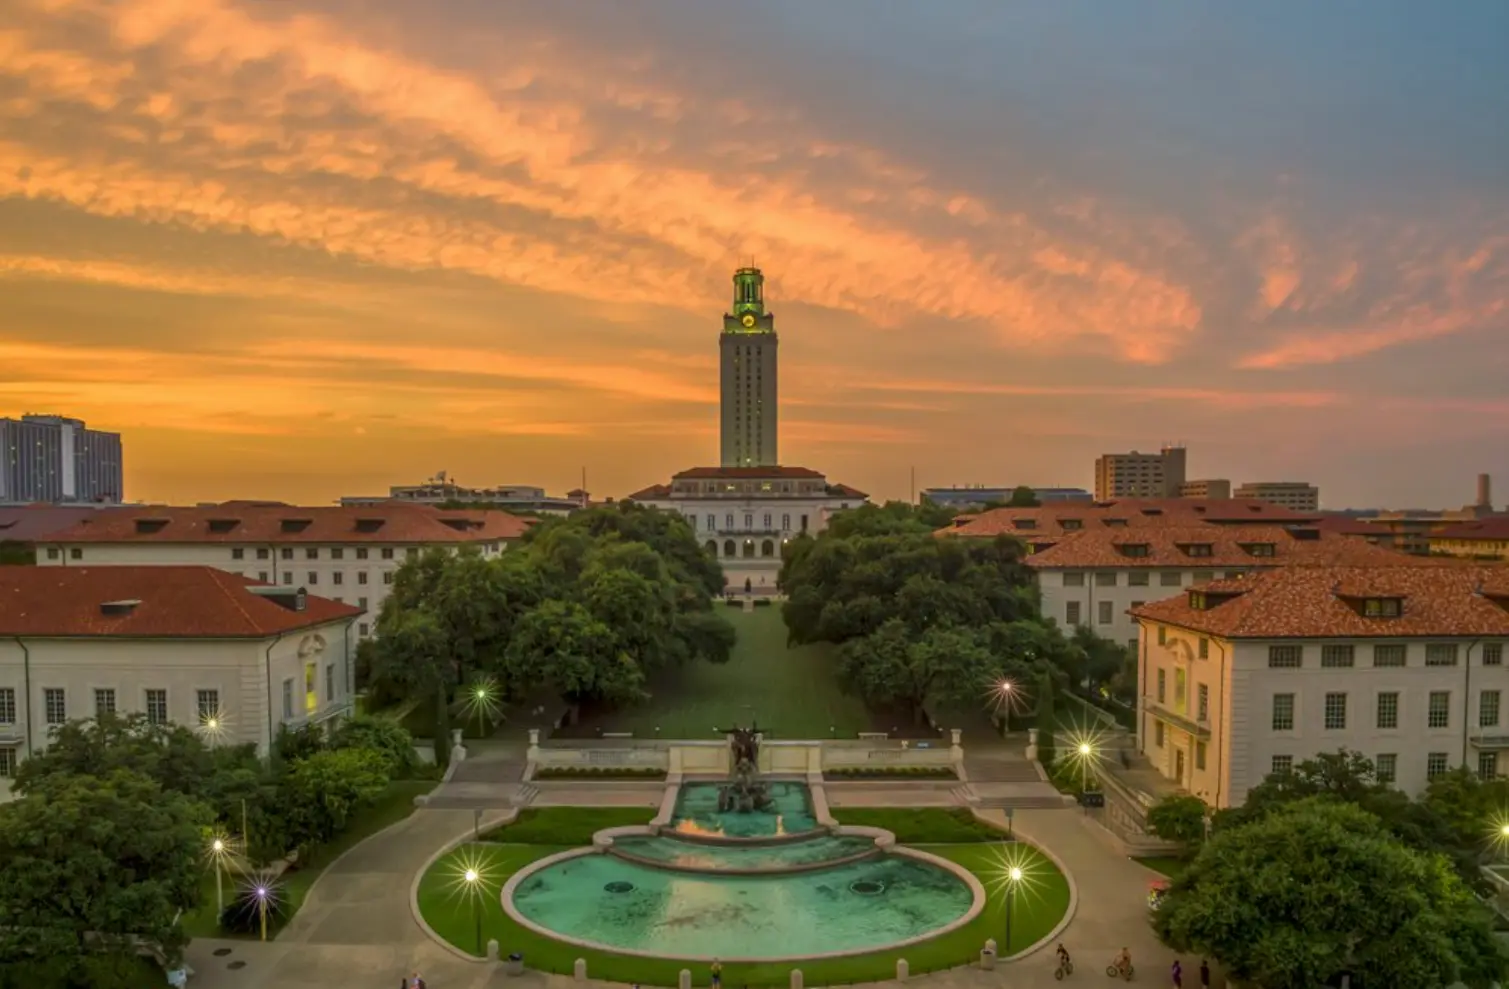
[790, 815]
[747, 858]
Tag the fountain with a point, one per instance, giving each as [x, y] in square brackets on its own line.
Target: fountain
[745, 793]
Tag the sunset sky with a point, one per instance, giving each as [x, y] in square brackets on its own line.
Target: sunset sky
[300, 249]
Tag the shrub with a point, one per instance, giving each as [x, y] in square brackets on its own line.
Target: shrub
[381, 735]
[1179, 817]
[293, 744]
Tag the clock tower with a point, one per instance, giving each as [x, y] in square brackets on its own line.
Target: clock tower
[748, 376]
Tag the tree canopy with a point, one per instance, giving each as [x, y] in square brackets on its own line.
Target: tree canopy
[1314, 889]
[590, 607]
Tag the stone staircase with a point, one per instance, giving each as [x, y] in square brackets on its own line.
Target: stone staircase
[999, 769]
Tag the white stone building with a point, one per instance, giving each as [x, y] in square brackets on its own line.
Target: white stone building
[1095, 576]
[348, 554]
[744, 515]
[1404, 664]
[193, 645]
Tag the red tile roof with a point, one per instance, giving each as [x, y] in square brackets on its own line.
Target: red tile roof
[249, 522]
[1048, 522]
[1326, 602]
[747, 474]
[845, 491]
[1494, 528]
[1222, 545]
[174, 602]
[32, 523]
[653, 492]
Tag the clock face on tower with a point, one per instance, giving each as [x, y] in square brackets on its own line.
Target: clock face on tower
[748, 320]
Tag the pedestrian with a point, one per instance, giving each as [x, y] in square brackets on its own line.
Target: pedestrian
[717, 970]
[1204, 974]
[1178, 973]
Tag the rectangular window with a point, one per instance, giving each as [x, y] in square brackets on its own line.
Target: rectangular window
[1170, 578]
[1074, 580]
[314, 578]
[1199, 755]
[104, 701]
[1202, 702]
[288, 699]
[1283, 712]
[1440, 654]
[1388, 710]
[1204, 648]
[1158, 734]
[311, 553]
[1285, 657]
[785, 523]
[1336, 657]
[1137, 578]
[329, 682]
[287, 577]
[238, 553]
[1435, 765]
[1336, 712]
[7, 762]
[7, 705]
[1162, 686]
[767, 521]
[1389, 654]
[728, 521]
[207, 704]
[387, 552]
[1181, 690]
[361, 629]
[1438, 713]
[52, 553]
[286, 552]
[1493, 654]
[1488, 765]
[712, 523]
[1281, 764]
[1162, 635]
[1071, 612]
[337, 553]
[75, 554]
[361, 552]
[1386, 767]
[338, 578]
[1105, 607]
[157, 706]
[361, 576]
[262, 576]
[55, 705]
[1488, 709]
[387, 577]
[361, 603]
[311, 688]
[262, 553]
[748, 523]
[1105, 580]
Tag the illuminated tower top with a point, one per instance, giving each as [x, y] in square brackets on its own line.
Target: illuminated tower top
[749, 315]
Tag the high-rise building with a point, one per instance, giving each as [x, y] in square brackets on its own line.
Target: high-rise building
[1297, 495]
[748, 376]
[1140, 475]
[51, 458]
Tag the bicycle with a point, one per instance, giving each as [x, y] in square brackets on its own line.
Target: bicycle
[1116, 969]
[1065, 967]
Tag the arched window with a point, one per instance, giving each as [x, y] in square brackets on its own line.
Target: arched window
[711, 547]
[767, 548]
[749, 548]
[728, 548]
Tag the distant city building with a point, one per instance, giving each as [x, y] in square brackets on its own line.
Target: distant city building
[196, 646]
[980, 496]
[1208, 488]
[747, 373]
[1479, 539]
[1402, 664]
[1297, 495]
[441, 490]
[1140, 475]
[744, 515]
[54, 459]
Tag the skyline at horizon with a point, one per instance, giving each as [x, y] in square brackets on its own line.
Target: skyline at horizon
[317, 249]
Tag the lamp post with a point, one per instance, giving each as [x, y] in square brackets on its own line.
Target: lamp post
[473, 878]
[1003, 699]
[1013, 876]
[217, 851]
[262, 894]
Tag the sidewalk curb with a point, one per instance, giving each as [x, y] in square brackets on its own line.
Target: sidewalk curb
[450, 846]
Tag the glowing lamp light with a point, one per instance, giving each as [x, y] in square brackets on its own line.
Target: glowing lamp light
[1015, 874]
[470, 875]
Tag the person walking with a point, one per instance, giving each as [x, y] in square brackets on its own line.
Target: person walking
[1204, 974]
[717, 971]
[1178, 974]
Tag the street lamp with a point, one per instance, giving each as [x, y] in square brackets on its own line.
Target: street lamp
[1086, 753]
[1013, 877]
[263, 894]
[218, 850]
[473, 878]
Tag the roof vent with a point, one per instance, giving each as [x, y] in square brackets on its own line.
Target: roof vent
[148, 526]
[119, 609]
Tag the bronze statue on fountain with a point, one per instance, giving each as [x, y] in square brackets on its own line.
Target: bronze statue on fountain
[745, 792]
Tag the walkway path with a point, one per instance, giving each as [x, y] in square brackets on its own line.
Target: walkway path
[356, 930]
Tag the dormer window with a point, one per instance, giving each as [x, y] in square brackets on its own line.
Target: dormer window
[223, 525]
[1114, 523]
[149, 526]
[295, 525]
[368, 525]
[1038, 547]
[1258, 549]
[1199, 509]
[1152, 511]
[1199, 600]
[1024, 523]
[1133, 549]
[1382, 607]
[1196, 549]
[1071, 525]
[1204, 600]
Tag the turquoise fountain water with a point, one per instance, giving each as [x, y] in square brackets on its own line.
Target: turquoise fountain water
[761, 885]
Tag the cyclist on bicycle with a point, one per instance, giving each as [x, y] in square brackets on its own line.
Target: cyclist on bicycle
[1063, 956]
[1124, 961]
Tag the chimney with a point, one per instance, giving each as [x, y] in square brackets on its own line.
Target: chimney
[1485, 491]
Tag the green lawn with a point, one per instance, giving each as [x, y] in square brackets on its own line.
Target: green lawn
[393, 806]
[791, 691]
[1039, 905]
[564, 826]
[922, 825]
